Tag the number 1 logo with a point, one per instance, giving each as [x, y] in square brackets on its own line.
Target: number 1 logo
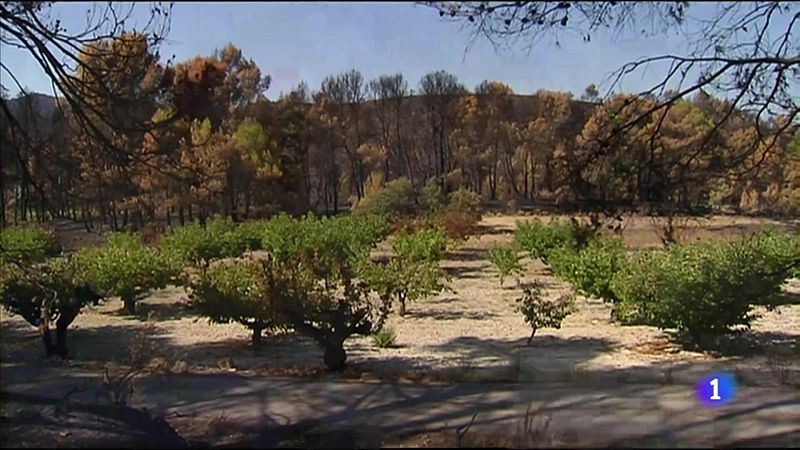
[716, 389]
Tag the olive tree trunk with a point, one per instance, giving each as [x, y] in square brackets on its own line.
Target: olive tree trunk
[129, 304]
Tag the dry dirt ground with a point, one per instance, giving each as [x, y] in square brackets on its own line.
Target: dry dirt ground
[472, 334]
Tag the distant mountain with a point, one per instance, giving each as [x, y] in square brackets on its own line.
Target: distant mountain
[41, 104]
[34, 110]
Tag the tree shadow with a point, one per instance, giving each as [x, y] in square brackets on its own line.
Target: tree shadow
[788, 298]
[271, 412]
[290, 351]
[451, 315]
[492, 230]
[469, 272]
[757, 343]
[162, 311]
[466, 254]
[21, 343]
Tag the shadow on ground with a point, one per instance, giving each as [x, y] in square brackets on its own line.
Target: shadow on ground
[229, 410]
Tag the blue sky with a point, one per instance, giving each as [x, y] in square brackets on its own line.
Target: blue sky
[307, 41]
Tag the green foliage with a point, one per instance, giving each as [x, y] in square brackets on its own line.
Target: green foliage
[591, 269]
[384, 338]
[232, 291]
[196, 244]
[125, 267]
[541, 313]
[26, 244]
[124, 240]
[781, 249]
[506, 260]
[307, 284]
[704, 290]
[431, 196]
[539, 239]
[359, 233]
[427, 244]
[414, 272]
[322, 300]
[465, 201]
[21, 285]
[395, 198]
[285, 238]
[249, 233]
[44, 294]
[406, 280]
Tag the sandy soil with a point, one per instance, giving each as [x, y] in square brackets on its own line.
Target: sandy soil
[476, 327]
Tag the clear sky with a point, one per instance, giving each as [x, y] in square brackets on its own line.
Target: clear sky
[307, 41]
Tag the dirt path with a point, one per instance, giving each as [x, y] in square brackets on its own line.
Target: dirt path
[268, 411]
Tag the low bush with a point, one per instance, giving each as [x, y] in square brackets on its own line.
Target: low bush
[427, 244]
[406, 280]
[541, 313]
[506, 260]
[359, 233]
[27, 244]
[781, 249]
[384, 338]
[249, 234]
[285, 238]
[431, 196]
[125, 267]
[465, 201]
[457, 225]
[539, 239]
[396, 198]
[591, 269]
[413, 273]
[704, 290]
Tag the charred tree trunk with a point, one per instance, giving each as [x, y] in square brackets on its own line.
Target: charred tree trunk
[255, 339]
[129, 304]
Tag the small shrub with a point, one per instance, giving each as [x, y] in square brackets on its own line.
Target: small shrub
[431, 196]
[405, 280]
[506, 260]
[125, 267]
[465, 201]
[307, 284]
[396, 198]
[457, 225]
[414, 272]
[591, 269]
[428, 244]
[27, 244]
[359, 233]
[781, 250]
[539, 239]
[704, 290]
[384, 338]
[541, 313]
